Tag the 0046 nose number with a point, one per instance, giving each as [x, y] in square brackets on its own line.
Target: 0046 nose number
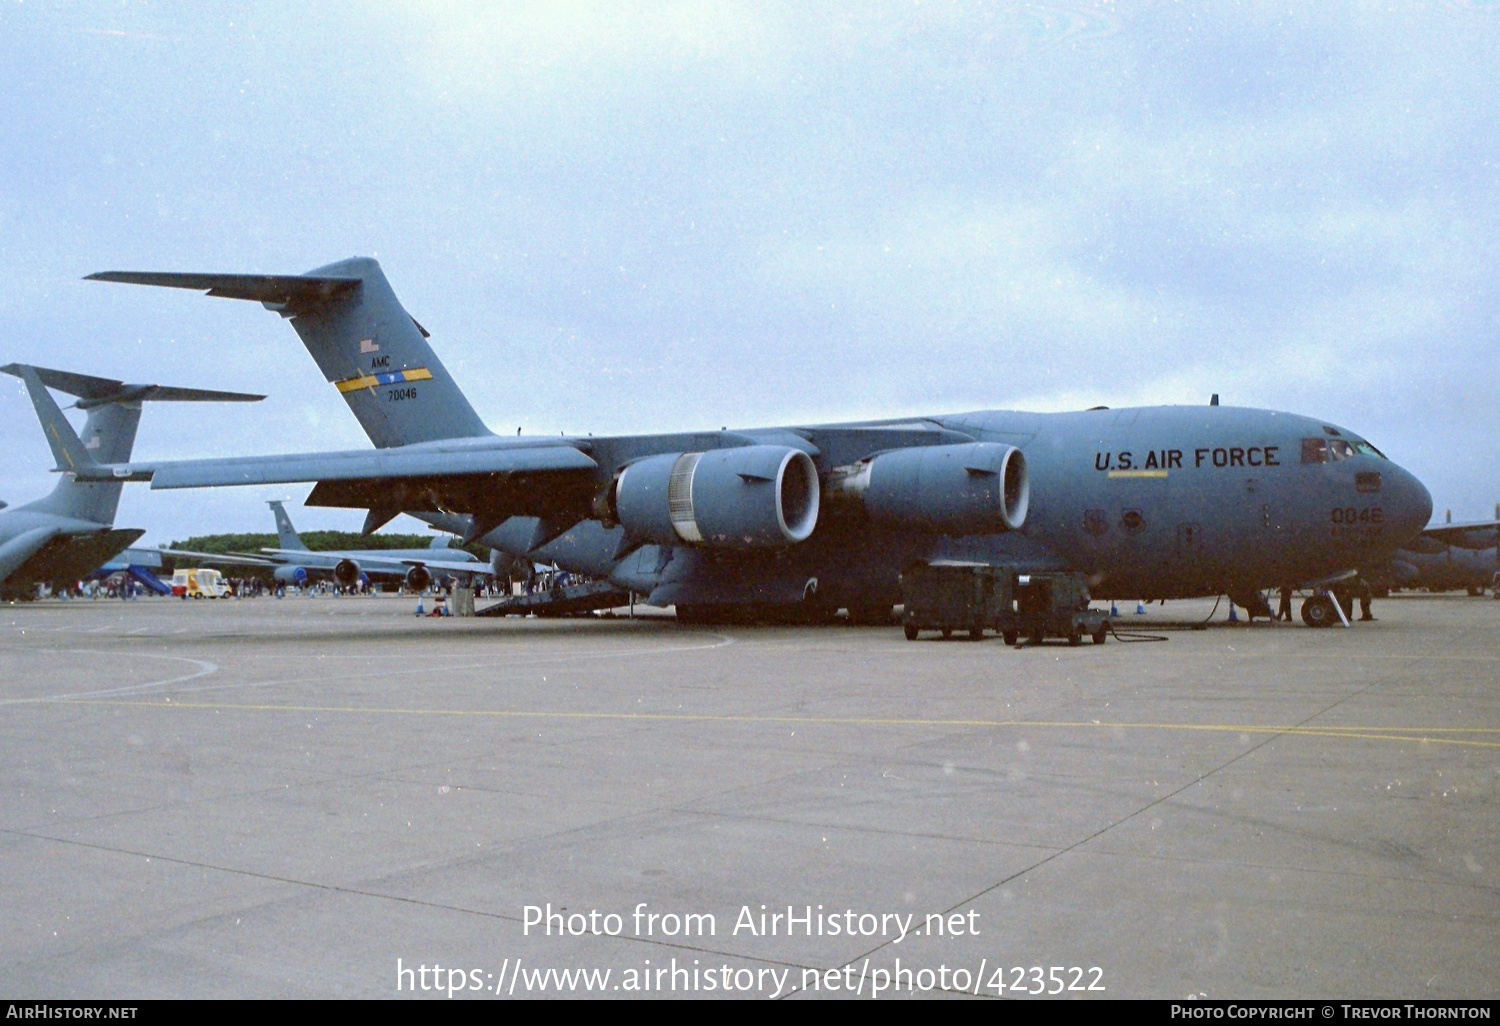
[1353, 515]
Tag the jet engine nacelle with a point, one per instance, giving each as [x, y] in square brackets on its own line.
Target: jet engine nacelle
[290, 575]
[346, 571]
[972, 488]
[418, 578]
[757, 496]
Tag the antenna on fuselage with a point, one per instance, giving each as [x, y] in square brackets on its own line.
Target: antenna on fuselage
[1213, 400]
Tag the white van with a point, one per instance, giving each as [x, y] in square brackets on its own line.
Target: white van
[199, 584]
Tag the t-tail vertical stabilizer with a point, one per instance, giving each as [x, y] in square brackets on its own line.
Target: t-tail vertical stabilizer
[109, 431]
[108, 436]
[59, 539]
[363, 340]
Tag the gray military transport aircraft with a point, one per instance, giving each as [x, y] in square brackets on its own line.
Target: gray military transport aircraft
[1158, 502]
[61, 538]
[1447, 557]
[295, 563]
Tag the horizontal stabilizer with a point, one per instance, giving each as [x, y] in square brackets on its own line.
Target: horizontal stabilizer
[291, 291]
[93, 391]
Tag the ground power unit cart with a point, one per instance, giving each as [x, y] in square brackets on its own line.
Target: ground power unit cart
[976, 597]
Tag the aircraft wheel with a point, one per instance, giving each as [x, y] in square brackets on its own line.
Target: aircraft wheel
[1010, 637]
[911, 632]
[1101, 634]
[1317, 611]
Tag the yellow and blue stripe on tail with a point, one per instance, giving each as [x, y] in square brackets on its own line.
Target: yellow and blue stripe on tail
[384, 378]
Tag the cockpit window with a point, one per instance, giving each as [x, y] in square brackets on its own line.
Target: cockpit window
[1326, 450]
[1368, 450]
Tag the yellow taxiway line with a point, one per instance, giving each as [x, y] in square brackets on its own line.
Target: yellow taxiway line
[1421, 735]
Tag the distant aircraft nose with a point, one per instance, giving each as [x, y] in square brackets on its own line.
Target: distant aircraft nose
[1408, 505]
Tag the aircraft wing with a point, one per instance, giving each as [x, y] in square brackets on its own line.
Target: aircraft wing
[355, 465]
[1478, 535]
[451, 566]
[226, 558]
[527, 478]
[371, 561]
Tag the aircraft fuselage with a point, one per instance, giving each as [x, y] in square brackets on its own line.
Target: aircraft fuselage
[1156, 502]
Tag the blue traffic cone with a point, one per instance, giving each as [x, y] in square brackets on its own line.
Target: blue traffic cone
[1140, 608]
[1114, 610]
[1233, 616]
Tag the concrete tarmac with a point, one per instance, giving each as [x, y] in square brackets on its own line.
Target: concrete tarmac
[330, 797]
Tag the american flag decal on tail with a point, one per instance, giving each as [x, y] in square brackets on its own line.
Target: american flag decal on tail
[369, 345]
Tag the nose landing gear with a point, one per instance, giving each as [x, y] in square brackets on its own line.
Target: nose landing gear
[1319, 610]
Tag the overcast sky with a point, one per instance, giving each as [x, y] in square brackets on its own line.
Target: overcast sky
[634, 218]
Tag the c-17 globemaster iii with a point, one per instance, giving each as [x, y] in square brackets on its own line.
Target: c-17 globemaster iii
[1158, 502]
[59, 539]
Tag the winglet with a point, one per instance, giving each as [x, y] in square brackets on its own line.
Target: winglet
[67, 450]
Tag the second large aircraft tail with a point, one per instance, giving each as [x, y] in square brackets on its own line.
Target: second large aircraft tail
[363, 340]
[108, 436]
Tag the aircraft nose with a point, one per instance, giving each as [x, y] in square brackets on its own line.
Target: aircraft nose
[1408, 505]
